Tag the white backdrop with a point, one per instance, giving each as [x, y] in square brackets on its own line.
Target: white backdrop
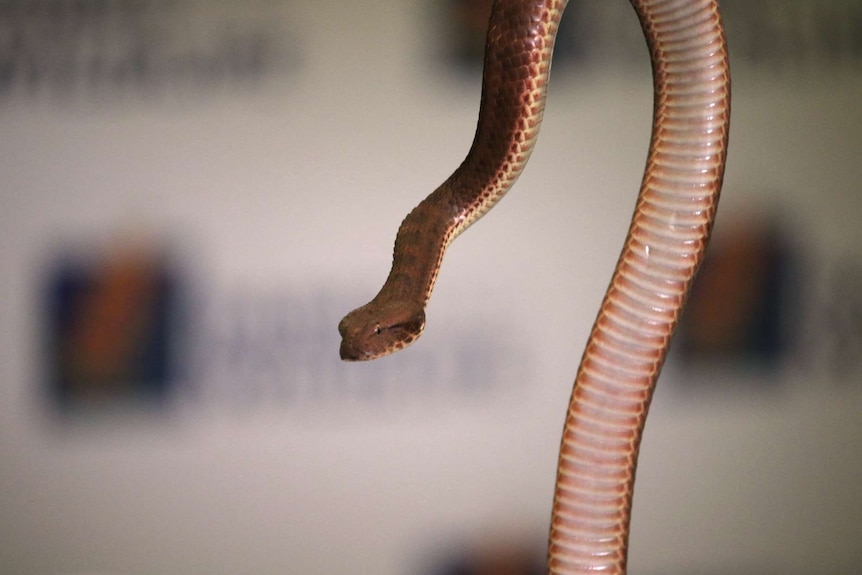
[282, 201]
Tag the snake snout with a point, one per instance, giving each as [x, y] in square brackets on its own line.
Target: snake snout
[349, 353]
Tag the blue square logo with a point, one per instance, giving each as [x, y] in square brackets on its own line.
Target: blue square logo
[112, 333]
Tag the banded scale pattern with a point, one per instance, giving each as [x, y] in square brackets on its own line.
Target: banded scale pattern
[664, 247]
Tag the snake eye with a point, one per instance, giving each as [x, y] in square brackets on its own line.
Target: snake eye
[377, 330]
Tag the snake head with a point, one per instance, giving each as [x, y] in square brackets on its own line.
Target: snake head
[380, 328]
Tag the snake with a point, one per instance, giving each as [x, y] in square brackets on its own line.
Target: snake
[664, 247]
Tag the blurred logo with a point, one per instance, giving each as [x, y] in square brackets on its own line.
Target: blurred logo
[738, 309]
[111, 334]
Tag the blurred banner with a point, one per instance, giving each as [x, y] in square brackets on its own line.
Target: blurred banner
[70, 51]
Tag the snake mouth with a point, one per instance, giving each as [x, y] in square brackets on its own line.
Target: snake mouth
[358, 350]
[351, 353]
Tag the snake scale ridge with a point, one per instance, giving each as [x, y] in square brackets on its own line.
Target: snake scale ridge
[664, 247]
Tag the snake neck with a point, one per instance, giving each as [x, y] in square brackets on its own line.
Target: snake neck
[421, 241]
[395, 318]
[514, 88]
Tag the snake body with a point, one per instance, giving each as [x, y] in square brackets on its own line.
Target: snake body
[663, 250]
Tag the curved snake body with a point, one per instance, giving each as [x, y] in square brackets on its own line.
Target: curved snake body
[664, 247]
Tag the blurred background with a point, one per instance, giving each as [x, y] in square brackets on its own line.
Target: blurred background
[193, 194]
